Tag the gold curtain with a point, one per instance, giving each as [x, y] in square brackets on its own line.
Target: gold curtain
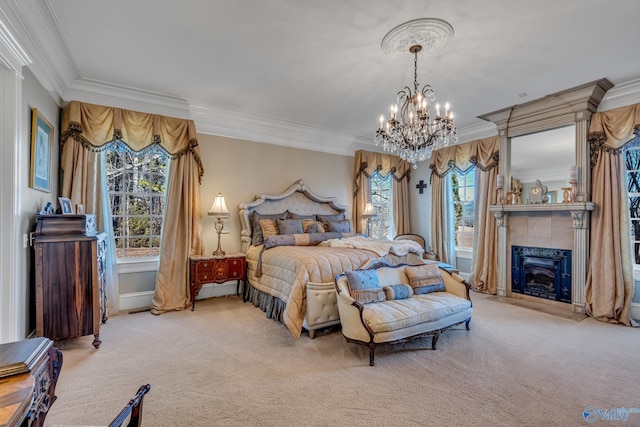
[366, 164]
[87, 129]
[483, 154]
[609, 286]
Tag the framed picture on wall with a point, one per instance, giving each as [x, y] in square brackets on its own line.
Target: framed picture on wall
[41, 147]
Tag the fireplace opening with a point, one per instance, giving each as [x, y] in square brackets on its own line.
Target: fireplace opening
[541, 272]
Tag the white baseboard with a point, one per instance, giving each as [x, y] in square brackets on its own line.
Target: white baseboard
[138, 300]
[465, 276]
[635, 310]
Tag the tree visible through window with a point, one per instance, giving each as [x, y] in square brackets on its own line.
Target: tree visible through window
[381, 198]
[463, 185]
[137, 186]
[632, 159]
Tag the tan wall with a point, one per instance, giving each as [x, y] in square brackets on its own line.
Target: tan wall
[31, 200]
[242, 169]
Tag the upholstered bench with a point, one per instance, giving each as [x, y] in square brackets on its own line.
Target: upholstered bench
[385, 304]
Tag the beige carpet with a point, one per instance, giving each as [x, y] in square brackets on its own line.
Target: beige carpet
[225, 364]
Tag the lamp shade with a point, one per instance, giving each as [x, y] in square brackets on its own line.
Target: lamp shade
[219, 208]
[368, 210]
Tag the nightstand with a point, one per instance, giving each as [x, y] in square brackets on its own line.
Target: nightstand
[215, 269]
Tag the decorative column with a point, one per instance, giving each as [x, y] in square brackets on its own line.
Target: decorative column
[501, 218]
[580, 254]
[501, 222]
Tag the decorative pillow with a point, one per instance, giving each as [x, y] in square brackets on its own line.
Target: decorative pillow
[364, 286]
[289, 226]
[312, 226]
[256, 230]
[324, 218]
[401, 291]
[294, 215]
[340, 226]
[269, 227]
[425, 279]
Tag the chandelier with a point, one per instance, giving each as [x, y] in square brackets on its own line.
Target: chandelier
[416, 126]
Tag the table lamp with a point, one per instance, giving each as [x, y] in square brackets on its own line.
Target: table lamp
[220, 211]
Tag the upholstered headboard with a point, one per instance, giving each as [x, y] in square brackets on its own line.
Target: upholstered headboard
[298, 198]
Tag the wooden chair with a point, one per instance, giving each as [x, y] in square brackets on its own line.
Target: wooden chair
[415, 237]
[133, 408]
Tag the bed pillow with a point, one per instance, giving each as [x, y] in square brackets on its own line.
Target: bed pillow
[312, 226]
[324, 218]
[401, 291]
[294, 215]
[256, 230]
[289, 226]
[364, 286]
[339, 226]
[269, 228]
[425, 279]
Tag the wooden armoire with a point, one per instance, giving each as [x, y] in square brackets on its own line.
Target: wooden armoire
[69, 266]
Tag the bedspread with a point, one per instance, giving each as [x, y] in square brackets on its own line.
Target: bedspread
[286, 270]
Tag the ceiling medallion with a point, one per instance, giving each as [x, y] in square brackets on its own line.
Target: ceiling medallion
[430, 33]
[416, 126]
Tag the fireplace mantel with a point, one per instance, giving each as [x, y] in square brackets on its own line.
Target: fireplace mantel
[576, 209]
[580, 252]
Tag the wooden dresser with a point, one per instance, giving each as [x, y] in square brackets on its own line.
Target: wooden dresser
[70, 266]
[29, 371]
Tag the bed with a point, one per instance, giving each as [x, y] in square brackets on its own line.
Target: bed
[294, 282]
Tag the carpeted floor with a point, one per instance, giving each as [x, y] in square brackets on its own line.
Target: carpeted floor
[225, 364]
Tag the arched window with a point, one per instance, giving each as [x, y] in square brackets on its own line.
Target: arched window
[137, 189]
[463, 185]
[381, 198]
[632, 163]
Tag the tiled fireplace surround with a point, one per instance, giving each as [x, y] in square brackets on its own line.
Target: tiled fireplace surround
[549, 225]
[558, 226]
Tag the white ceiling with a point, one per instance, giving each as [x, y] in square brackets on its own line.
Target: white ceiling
[318, 63]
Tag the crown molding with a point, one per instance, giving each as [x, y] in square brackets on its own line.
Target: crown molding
[621, 95]
[478, 131]
[102, 93]
[37, 30]
[253, 127]
[12, 55]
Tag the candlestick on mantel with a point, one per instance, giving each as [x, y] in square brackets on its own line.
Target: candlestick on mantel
[573, 173]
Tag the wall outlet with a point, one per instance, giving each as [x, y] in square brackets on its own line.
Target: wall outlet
[25, 241]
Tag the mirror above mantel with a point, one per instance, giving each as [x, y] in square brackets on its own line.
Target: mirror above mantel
[546, 156]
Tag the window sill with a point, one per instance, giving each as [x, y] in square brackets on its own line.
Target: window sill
[464, 253]
[138, 265]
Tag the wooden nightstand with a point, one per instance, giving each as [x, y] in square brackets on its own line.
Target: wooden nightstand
[215, 269]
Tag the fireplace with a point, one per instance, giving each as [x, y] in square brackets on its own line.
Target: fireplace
[541, 272]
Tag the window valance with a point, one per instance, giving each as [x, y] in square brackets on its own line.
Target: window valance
[95, 126]
[369, 162]
[611, 130]
[482, 153]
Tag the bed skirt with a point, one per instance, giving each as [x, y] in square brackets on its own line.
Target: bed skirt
[272, 306]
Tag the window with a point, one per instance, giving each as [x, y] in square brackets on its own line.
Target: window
[381, 198]
[137, 186]
[463, 185]
[632, 158]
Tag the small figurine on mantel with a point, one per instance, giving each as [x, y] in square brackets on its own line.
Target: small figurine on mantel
[516, 191]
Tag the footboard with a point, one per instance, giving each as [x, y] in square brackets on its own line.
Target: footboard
[322, 307]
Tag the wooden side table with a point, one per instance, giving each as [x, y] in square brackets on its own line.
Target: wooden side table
[215, 269]
[29, 371]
